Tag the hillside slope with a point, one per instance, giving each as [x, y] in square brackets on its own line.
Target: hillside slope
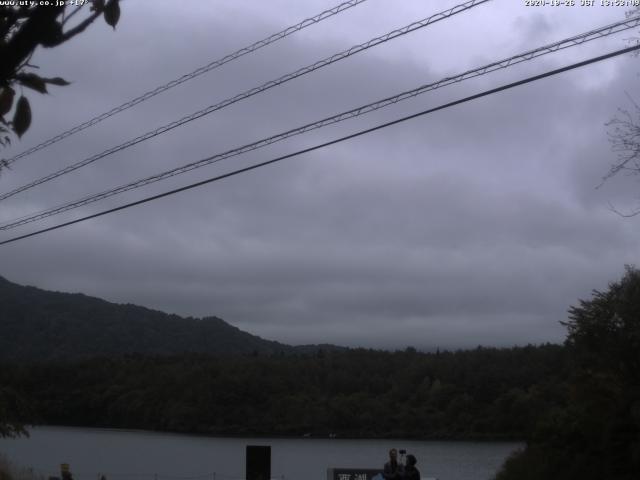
[39, 325]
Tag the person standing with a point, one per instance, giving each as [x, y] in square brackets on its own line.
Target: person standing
[410, 470]
[392, 469]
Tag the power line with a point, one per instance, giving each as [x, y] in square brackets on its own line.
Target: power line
[195, 73]
[332, 142]
[254, 91]
[500, 64]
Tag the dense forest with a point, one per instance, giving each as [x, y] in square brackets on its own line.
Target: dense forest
[360, 393]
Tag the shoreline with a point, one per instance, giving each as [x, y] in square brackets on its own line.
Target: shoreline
[305, 437]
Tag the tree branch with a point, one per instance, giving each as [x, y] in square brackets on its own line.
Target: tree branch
[624, 137]
[68, 17]
[634, 213]
[80, 27]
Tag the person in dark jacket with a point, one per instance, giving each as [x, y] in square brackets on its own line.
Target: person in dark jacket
[392, 469]
[410, 470]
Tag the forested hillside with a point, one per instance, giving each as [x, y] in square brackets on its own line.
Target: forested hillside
[38, 325]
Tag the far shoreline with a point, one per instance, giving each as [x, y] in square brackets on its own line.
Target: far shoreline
[305, 437]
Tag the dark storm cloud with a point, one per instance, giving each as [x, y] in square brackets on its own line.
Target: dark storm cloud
[475, 225]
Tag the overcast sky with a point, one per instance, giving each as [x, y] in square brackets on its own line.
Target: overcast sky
[479, 224]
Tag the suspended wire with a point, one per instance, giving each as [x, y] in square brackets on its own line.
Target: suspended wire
[331, 142]
[254, 91]
[185, 78]
[500, 64]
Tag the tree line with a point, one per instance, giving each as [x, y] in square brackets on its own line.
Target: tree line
[481, 393]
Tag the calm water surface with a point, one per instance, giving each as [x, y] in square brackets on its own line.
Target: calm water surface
[135, 455]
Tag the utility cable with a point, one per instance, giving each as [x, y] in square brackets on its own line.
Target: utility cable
[185, 78]
[332, 142]
[500, 64]
[254, 91]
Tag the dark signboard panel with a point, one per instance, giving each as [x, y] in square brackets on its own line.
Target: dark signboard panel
[258, 462]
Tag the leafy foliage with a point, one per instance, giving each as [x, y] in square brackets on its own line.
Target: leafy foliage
[23, 28]
[597, 433]
[9, 471]
[14, 410]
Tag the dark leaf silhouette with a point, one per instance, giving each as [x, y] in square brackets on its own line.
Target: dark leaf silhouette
[6, 100]
[112, 13]
[61, 82]
[32, 81]
[22, 117]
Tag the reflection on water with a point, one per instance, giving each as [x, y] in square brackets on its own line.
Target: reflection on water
[134, 455]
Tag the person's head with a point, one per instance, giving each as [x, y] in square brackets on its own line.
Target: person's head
[393, 455]
[411, 460]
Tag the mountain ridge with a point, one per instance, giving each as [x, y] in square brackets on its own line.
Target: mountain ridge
[43, 325]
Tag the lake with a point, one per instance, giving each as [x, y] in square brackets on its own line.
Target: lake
[140, 455]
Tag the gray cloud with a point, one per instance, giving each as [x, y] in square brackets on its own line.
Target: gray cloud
[476, 225]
